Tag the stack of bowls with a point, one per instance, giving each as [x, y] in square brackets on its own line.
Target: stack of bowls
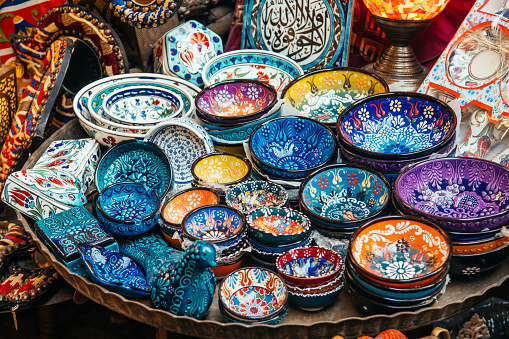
[340, 198]
[467, 198]
[314, 276]
[253, 295]
[389, 131]
[273, 231]
[397, 263]
[223, 226]
[230, 110]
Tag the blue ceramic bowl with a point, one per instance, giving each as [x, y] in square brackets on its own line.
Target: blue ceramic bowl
[252, 195]
[275, 226]
[292, 147]
[405, 124]
[135, 161]
[315, 301]
[127, 208]
[345, 195]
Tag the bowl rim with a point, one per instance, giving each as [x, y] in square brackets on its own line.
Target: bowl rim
[100, 209]
[238, 233]
[306, 223]
[176, 195]
[270, 316]
[339, 269]
[317, 166]
[154, 148]
[229, 196]
[474, 255]
[399, 200]
[245, 160]
[206, 116]
[359, 268]
[310, 176]
[377, 97]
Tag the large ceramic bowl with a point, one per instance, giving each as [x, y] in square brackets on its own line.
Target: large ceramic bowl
[462, 195]
[400, 251]
[403, 125]
[127, 208]
[344, 195]
[322, 95]
[234, 101]
[252, 195]
[292, 147]
[221, 168]
[253, 294]
[183, 202]
[278, 226]
[135, 161]
[269, 67]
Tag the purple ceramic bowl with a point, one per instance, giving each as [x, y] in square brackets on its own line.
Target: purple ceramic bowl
[235, 101]
[461, 195]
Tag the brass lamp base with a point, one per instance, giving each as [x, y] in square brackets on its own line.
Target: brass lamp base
[398, 65]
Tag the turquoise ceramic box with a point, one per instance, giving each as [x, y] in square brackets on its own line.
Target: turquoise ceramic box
[63, 231]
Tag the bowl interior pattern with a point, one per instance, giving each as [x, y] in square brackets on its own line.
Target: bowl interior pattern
[279, 221]
[461, 188]
[292, 144]
[324, 94]
[128, 201]
[213, 223]
[182, 203]
[235, 99]
[311, 262]
[253, 293]
[221, 168]
[396, 124]
[252, 195]
[399, 249]
[345, 193]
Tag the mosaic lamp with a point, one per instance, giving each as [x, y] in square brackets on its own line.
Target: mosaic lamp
[401, 21]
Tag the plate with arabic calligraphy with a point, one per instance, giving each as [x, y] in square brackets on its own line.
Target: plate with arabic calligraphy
[315, 34]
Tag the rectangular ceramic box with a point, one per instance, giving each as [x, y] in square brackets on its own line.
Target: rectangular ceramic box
[62, 233]
[57, 182]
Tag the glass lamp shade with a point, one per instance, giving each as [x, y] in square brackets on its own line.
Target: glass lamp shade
[406, 9]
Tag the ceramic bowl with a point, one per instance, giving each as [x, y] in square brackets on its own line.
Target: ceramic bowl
[127, 208]
[462, 195]
[221, 271]
[304, 267]
[317, 289]
[402, 125]
[270, 254]
[315, 301]
[252, 195]
[269, 67]
[322, 95]
[477, 263]
[221, 168]
[292, 147]
[135, 161]
[234, 101]
[278, 226]
[400, 251]
[183, 202]
[231, 318]
[183, 141]
[169, 235]
[478, 246]
[345, 195]
[253, 294]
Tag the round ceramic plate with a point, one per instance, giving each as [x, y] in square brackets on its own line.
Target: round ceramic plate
[183, 141]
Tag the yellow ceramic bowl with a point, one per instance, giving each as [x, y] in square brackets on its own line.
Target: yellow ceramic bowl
[324, 94]
[221, 168]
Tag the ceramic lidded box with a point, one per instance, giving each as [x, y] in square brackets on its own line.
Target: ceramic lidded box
[64, 231]
[57, 182]
[184, 51]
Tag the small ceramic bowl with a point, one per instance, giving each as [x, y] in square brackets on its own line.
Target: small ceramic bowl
[304, 267]
[127, 208]
[400, 251]
[234, 101]
[270, 254]
[252, 195]
[345, 195]
[478, 246]
[253, 294]
[322, 95]
[462, 195]
[315, 301]
[169, 235]
[400, 124]
[274, 226]
[292, 147]
[477, 263]
[221, 168]
[183, 202]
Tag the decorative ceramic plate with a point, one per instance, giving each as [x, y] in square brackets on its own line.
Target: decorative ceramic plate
[315, 34]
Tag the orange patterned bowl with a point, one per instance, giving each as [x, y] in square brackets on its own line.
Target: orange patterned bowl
[400, 251]
[221, 168]
[479, 246]
[406, 9]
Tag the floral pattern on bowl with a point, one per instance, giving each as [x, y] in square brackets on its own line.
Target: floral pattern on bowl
[324, 94]
[252, 195]
[406, 124]
[142, 105]
[221, 168]
[184, 202]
